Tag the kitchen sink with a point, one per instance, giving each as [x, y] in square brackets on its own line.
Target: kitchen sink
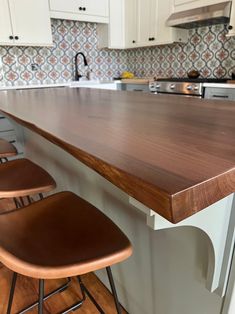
[101, 84]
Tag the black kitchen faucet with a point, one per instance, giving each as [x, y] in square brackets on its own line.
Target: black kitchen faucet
[77, 75]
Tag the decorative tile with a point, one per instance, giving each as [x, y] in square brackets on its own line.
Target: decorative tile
[208, 51]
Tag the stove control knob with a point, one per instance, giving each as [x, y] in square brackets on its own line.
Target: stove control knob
[189, 87]
[172, 86]
[196, 87]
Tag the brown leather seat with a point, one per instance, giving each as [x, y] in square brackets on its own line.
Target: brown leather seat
[60, 236]
[22, 177]
[7, 149]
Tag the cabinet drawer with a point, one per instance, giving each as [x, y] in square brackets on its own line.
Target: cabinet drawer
[220, 93]
[84, 7]
[5, 125]
[135, 87]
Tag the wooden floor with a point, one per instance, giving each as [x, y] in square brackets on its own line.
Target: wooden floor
[27, 292]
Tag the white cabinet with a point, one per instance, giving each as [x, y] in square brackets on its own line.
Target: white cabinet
[121, 32]
[182, 5]
[147, 22]
[138, 23]
[5, 22]
[81, 10]
[25, 23]
[166, 34]
[231, 31]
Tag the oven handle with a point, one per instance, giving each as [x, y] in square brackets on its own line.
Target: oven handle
[220, 96]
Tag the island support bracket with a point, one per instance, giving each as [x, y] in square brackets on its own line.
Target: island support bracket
[218, 223]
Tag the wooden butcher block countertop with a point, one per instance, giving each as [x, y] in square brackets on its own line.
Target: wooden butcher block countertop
[174, 154]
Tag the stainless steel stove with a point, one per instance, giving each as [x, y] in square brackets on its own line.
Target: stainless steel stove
[182, 86]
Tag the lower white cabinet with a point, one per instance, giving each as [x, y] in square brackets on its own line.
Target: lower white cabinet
[138, 23]
[81, 10]
[25, 23]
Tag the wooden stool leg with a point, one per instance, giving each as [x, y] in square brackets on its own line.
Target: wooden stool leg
[11, 296]
[41, 295]
[114, 292]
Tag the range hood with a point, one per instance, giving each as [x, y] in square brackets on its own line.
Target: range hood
[208, 15]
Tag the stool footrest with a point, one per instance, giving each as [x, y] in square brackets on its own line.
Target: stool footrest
[58, 290]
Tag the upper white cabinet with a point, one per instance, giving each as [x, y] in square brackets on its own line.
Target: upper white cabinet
[147, 22]
[81, 10]
[166, 34]
[25, 23]
[5, 23]
[231, 31]
[138, 23]
[182, 5]
[121, 32]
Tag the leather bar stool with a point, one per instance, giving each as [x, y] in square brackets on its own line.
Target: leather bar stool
[57, 237]
[6, 150]
[22, 178]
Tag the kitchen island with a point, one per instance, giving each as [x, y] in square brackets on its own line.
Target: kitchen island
[174, 155]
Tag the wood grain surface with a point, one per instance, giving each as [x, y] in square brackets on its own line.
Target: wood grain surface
[174, 154]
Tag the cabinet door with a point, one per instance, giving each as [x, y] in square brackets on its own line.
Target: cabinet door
[87, 7]
[130, 23]
[143, 22]
[5, 23]
[147, 22]
[94, 7]
[154, 15]
[31, 22]
[232, 21]
[121, 32]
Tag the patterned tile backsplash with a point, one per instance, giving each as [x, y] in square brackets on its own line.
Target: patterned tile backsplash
[208, 50]
[56, 64]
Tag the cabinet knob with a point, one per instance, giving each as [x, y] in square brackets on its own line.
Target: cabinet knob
[11, 37]
[153, 38]
[16, 37]
[230, 27]
[80, 8]
[133, 41]
[84, 9]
